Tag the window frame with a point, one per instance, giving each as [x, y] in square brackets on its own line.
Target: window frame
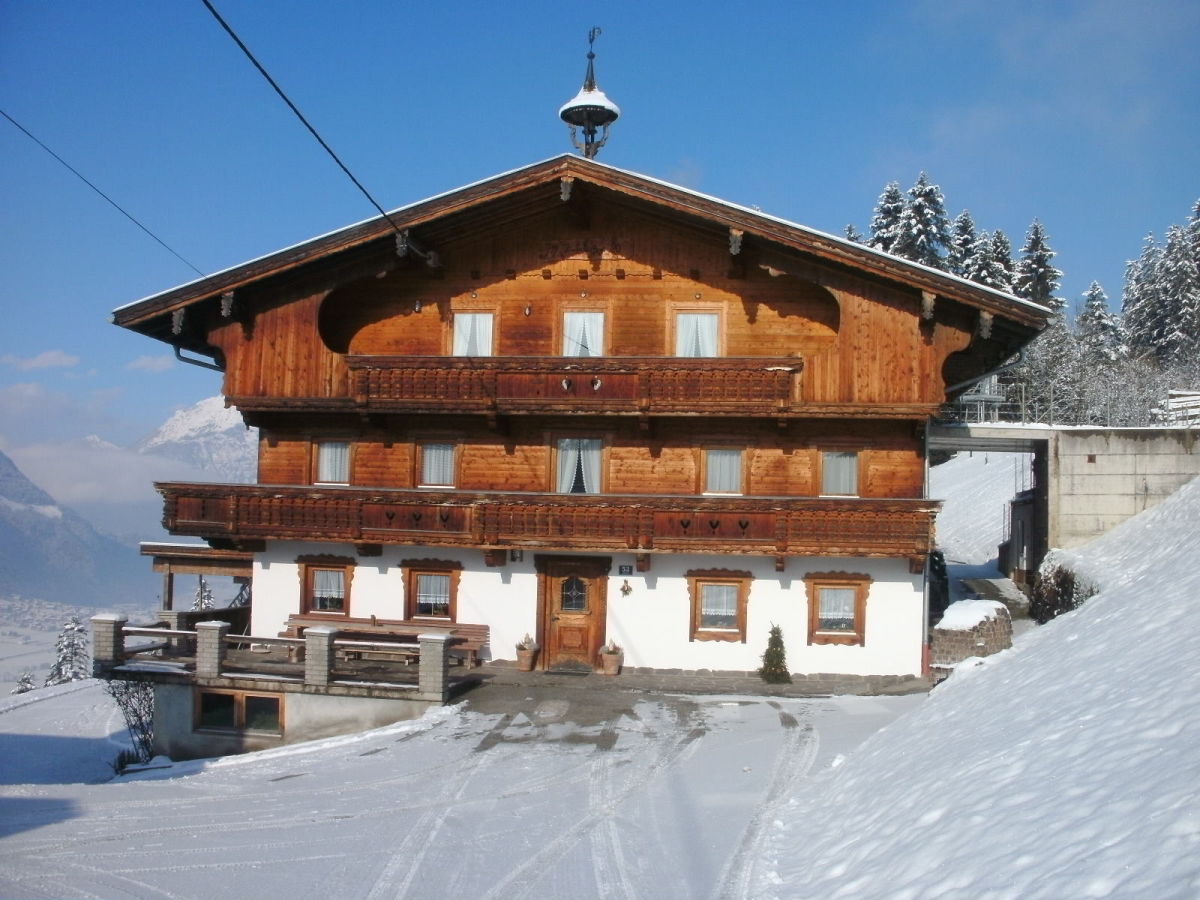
[239, 712]
[858, 471]
[676, 310]
[814, 583]
[474, 311]
[697, 579]
[419, 462]
[314, 469]
[411, 569]
[556, 438]
[307, 566]
[605, 329]
[704, 469]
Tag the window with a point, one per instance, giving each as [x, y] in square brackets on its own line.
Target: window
[333, 462]
[719, 599]
[430, 588]
[722, 471]
[837, 607]
[839, 473]
[696, 334]
[583, 334]
[238, 711]
[325, 584]
[579, 465]
[472, 334]
[437, 465]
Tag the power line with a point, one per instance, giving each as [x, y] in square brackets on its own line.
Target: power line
[110, 200]
[299, 115]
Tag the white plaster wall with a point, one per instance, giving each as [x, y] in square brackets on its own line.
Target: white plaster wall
[651, 623]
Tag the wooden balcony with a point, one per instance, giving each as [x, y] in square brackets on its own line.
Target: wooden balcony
[586, 385]
[771, 526]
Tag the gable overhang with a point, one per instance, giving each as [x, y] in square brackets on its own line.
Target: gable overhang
[507, 198]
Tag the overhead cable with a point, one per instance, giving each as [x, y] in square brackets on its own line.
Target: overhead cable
[299, 115]
[110, 200]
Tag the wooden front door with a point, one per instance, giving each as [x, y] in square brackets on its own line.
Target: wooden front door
[572, 605]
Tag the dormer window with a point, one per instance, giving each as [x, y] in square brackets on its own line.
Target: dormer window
[473, 334]
[583, 333]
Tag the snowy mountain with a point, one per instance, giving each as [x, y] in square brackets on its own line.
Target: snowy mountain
[49, 552]
[208, 437]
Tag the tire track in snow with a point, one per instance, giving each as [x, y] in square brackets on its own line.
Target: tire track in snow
[531, 868]
[793, 761]
[608, 859]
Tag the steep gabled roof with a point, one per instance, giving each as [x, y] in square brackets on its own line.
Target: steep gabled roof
[508, 196]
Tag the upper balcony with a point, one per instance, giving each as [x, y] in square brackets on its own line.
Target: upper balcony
[589, 385]
[770, 526]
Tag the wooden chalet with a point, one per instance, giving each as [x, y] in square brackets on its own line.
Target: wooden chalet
[587, 405]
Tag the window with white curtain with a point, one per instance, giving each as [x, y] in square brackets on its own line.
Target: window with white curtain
[583, 334]
[723, 471]
[578, 465]
[328, 590]
[837, 609]
[839, 473]
[696, 334]
[333, 462]
[472, 334]
[719, 606]
[433, 595]
[437, 465]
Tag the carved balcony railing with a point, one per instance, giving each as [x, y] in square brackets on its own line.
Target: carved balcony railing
[772, 526]
[592, 385]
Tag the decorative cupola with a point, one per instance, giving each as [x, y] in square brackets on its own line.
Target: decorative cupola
[590, 109]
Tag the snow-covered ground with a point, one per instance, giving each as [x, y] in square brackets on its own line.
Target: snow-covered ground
[976, 487]
[1068, 766]
[556, 797]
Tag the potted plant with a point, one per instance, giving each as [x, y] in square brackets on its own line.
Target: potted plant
[527, 651]
[610, 658]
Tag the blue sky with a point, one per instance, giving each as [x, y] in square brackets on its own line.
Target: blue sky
[1082, 114]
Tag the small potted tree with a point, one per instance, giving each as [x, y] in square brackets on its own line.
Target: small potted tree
[527, 651]
[610, 658]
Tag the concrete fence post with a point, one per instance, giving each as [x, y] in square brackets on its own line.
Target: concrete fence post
[210, 647]
[318, 654]
[108, 643]
[433, 677]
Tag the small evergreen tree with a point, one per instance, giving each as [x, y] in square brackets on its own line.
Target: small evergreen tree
[24, 684]
[774, 668]
[924, 234]
[852, 234]
[982, 266]
[71, 662]
[1034, 277]
[1002, 260]
[204, 596]
[1098, 331]
[885, 223]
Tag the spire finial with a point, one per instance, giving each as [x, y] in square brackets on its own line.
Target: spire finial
[590, 109]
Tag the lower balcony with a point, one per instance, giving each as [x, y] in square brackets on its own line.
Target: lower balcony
[227, 514]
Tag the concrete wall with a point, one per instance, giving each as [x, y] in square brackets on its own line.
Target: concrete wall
[651, 623]
[1101, 477]
[305, 717]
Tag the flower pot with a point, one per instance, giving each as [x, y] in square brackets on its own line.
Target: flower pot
[610, 663]
[526, 660]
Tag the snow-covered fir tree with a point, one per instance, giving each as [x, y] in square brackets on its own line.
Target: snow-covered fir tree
[962, 244]
[1035, 278]
[1098, 331]
[885, 223]
[852, 234]
[1179, 293]
[1002, 259]
[924, 234]
[204, 597]
[24, 684]
[1142, 307]
[71, 662]
[982, 266]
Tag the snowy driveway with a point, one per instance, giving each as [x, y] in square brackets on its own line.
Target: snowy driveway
[524, 794]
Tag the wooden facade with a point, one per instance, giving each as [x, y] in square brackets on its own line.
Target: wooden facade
[809, 353]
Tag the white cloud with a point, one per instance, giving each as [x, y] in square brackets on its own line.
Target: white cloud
[47, 359]
[151, 363]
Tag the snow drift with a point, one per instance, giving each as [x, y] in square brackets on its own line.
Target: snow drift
[1066, 767]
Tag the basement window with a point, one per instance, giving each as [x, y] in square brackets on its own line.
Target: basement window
[238, 711]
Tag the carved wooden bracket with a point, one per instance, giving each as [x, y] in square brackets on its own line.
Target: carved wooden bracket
[564, 187]
[985, 325]
[227, 305]
[495, 557]
[735, 241]
[642, 562]
[927, 298]
[369, 549]
[177, 321]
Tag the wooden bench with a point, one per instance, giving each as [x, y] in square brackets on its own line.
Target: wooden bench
[469, 638]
